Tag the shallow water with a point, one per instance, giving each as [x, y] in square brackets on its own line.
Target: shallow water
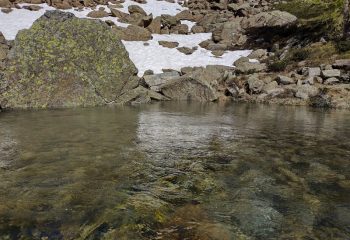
[175, 171]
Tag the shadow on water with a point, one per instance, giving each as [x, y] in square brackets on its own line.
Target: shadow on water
[175, 171]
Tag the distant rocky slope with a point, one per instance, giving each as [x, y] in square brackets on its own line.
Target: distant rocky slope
[64, 61]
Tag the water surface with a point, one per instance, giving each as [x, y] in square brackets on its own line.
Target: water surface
[175, 171]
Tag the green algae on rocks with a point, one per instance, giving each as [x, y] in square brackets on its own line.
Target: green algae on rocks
[64, 61]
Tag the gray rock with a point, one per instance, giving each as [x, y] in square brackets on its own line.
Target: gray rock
[285, 80]
[186, 50]
[331, 81]
[257, 218]
[342, 64]
[311, 72]
[168, 44]
[250, 67]
[133, 33]
[255, 85]
[306, 91]
[188, 89]
[258, 54]
[155, 81]
[67, 66]
[269, 19]
[309, 80]
[269, 87]
[136, 9]
[331, 73]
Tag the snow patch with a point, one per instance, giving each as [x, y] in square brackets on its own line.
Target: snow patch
[155, 7]
[190, 24]
[156, 57]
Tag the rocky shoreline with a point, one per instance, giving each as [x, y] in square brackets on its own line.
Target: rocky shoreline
[56, 64]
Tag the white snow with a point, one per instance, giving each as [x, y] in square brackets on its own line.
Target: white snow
[155, 7]
[190, 24]
[156, 57]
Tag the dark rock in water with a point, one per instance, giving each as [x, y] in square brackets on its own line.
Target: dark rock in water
[64, 61]
[257, 218]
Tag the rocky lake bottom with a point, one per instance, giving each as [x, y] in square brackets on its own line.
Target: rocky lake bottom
[175, 171]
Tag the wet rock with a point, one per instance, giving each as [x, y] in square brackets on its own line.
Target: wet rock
[8, 152]
[148, 209]
[96, 65]
[256, 218]
[320, 173]
[139, 95]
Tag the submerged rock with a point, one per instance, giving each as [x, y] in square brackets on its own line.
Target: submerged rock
[64, 61]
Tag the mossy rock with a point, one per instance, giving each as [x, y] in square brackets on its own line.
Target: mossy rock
[64, 61]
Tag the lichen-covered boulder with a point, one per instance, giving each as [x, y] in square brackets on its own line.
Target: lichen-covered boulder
[64, 61]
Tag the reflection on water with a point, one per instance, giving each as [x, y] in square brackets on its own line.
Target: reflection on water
[175, 171]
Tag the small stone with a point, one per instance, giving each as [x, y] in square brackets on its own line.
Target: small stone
[255, 84]
[136, 9]
[97, 14]
[331, 73]
[331, 81]
[309, 80]
[186, 50]
[6, 10]
[168, 44]
[285, 80]
[311, 72]
[306, 91]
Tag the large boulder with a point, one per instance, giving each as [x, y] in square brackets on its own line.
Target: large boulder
[270, 19]
[189, 89]
[64, 61]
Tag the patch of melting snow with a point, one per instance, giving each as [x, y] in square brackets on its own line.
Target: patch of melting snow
[155, 7]
[156, 57]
